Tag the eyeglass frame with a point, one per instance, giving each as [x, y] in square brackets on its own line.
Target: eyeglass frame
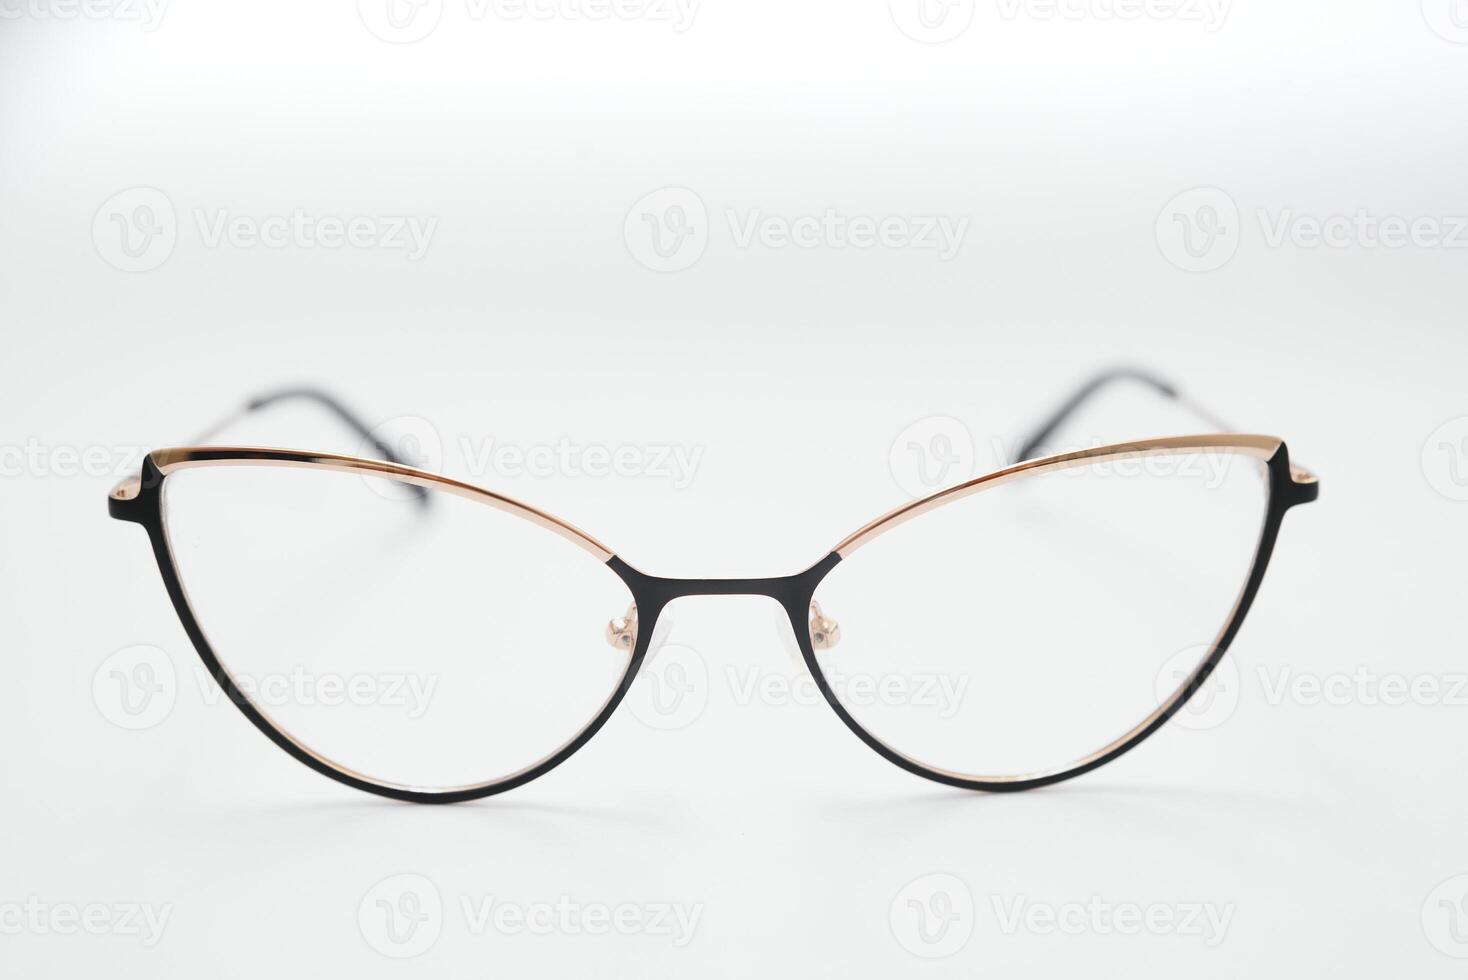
[139, 499]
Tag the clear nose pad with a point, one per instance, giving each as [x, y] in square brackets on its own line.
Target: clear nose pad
[780, 623]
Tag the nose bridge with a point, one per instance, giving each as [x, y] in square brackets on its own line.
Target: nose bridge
[651, 593]
[791, 591]
[655, 593]
[772, 587]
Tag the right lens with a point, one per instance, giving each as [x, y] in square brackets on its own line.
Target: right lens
[1022, 629]
[434, 647]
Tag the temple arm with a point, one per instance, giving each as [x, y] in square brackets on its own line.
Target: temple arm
[1031, 447]
[320, 398]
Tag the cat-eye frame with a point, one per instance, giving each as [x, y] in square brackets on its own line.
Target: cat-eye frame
[1013, 630]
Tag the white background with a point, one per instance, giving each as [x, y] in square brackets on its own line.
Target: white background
[1328, 833]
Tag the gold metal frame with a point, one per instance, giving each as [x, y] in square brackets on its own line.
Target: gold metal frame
[190, 457]
[1257, 446]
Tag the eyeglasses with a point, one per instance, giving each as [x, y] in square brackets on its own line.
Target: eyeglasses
[429, 640]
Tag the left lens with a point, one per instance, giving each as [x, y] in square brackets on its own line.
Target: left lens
[434, 647]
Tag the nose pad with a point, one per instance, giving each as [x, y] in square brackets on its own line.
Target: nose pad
[622, 630]
[780, 622]
[825, 632]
